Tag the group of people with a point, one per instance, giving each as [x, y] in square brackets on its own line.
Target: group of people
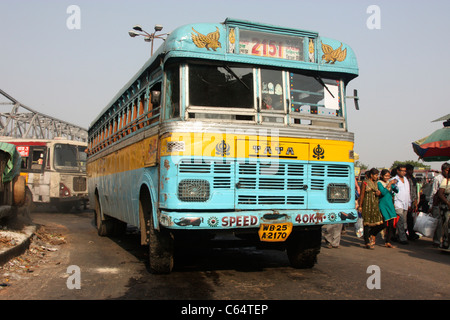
[388, 201]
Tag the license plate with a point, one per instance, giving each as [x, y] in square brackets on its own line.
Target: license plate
[275, 232]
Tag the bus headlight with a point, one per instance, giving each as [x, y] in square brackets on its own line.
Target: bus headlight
[193, 190]
[338, 193]
[63, 190]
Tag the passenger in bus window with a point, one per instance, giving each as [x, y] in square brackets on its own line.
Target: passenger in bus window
[38, 160]
[267, 102]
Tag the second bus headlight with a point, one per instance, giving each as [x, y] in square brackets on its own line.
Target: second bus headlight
[337, 192]
[193, 190]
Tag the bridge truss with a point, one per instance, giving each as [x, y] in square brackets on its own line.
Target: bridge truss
[23, 122]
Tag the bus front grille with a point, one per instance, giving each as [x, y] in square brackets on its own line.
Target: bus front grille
[79, 184]
[254, 182]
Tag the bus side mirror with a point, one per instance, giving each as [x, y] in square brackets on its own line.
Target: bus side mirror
[156, 98]
[356, 98]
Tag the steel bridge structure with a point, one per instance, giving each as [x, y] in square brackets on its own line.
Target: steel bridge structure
[23, 122]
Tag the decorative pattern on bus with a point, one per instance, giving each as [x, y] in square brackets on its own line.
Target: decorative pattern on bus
[333, 55]
[210, 41]
[241, 146]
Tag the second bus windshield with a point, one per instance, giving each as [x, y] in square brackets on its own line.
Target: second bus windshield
[69, 157]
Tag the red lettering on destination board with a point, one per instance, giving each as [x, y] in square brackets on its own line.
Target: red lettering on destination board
[265, 48]
[239, 221]
[23, 150]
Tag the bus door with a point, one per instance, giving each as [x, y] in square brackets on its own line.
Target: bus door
[272, 175]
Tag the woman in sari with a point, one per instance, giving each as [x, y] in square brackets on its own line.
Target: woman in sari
[387, 191]
[369, 207]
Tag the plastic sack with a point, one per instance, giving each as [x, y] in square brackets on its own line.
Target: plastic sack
[425, 224]
[359, 227]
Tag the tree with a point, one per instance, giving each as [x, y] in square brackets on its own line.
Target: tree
[362, 166]
[411, 162]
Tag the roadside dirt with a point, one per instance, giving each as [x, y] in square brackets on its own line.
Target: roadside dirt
[44, 244]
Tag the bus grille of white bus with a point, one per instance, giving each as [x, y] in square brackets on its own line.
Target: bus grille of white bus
[79, 184]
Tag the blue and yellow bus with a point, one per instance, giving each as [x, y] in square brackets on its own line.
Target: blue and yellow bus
[233, 128]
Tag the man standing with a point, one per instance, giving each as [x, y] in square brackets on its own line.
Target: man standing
[402, 202]
[434, 200]
[414, 202]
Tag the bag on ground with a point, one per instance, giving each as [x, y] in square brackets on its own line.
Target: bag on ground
[425, 224]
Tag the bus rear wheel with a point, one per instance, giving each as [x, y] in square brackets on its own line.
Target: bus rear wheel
[160, 242]
[303, 248]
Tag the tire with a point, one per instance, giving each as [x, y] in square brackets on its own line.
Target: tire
[303, 248]
[29, 200]
[107, 226]
[104, 227]
[161, 242]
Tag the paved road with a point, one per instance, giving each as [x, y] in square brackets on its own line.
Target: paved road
[115, 268]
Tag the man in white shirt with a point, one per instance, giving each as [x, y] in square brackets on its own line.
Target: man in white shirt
[434, 205]
[402, 202]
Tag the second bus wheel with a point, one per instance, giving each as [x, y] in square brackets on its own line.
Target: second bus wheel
[107, 226]
[160, 242]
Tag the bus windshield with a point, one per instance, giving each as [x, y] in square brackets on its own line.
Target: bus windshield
[307, 99]
[69, 157]
[221, 86]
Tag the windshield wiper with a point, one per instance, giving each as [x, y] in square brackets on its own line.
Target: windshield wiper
[236, 76]
[319, 79]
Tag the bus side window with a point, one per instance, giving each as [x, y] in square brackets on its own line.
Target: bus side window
[37, 159]
[154, 103]
[272, 90]
[172, 93]
[156, 98]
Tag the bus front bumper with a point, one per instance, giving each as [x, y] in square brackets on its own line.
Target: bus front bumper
[211, 220]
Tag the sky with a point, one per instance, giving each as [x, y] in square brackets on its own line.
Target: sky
[73, 73]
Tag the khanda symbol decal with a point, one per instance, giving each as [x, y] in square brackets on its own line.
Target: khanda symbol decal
[318, 152]
[223, 149]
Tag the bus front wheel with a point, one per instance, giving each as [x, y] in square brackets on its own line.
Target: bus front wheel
[303, 248]
[160, 242]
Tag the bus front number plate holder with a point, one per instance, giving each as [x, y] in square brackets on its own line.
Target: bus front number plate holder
[274, 232]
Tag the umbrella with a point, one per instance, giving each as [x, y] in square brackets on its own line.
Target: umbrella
[436, 146]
